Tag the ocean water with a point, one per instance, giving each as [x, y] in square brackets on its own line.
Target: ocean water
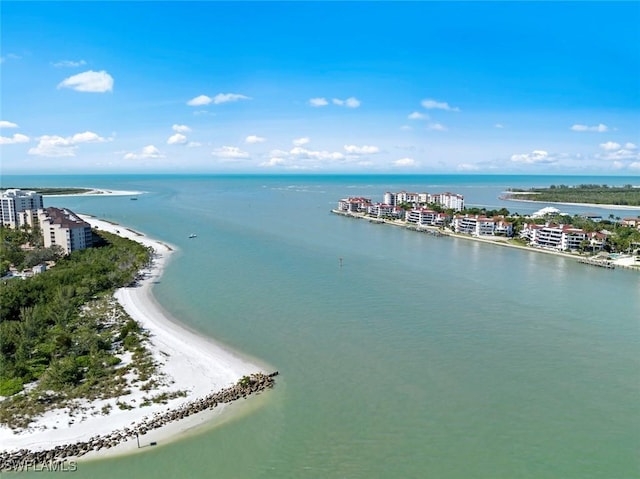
[418, 357]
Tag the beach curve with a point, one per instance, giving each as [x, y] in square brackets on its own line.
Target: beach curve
[187, 361]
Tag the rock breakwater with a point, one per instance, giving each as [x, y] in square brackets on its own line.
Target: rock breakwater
[26, 459]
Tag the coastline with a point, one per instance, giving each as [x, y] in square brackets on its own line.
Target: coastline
[588, 205]
[186, 362]
[488, 240]
[100, 192]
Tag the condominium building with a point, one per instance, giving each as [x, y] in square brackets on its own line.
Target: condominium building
[447, 200]
[477, 225]
[381, 209]
[426, 217]
[64, 228]
[561, 237]
[15, 201]
[354, 204]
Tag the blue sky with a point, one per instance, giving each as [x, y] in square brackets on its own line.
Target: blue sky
[335, 87]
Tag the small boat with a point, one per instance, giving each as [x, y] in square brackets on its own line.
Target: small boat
[192, 235]
[133, 198]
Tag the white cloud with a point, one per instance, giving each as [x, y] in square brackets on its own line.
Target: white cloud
[200, 100]
[7, 124]
[58, 146]
[299, 152]
[230, 153]
[228, 97]
[302, 158]
[436, 127]
[635, 165]
[614, 151]
[87, 137]
[273, 162]
[181, 128]
[148, 152]
[194, 144]
[405, 163]
[599, 128]
[216, 100]
[406, 127]
[252, 139]
[467, 167]
[362, 150]
[430, 104]
[16, 138]
[498, 125]
[610, 145]
[69, 63]
[90, 81]
[416, 115]
[318, 102]
[177, 139]
[535, 157]
[350, 102]
[301, 141]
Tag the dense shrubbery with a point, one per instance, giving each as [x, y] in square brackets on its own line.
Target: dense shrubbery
[597, 194]
[43, 334]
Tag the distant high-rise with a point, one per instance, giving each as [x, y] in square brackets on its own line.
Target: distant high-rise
[14, 201]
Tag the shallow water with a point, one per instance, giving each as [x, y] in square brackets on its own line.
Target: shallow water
[419, 357]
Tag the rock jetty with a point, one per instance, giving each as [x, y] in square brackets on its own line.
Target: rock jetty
[23, 459]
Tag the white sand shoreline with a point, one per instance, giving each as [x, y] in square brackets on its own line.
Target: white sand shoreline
[588, 205]
[100, 192]
[194, 363]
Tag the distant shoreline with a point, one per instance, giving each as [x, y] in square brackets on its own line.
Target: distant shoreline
[489, 240]
[589, 205]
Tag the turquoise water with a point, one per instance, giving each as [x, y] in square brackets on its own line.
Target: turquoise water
[419, 357]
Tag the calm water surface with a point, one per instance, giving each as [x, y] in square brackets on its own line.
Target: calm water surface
[419, 357]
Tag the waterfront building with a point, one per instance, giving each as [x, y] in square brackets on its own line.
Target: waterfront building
[478, 225]
[426, 217]
[13, 202]
[561, 237]
[64, 228]
[354, 204]
[380, 209]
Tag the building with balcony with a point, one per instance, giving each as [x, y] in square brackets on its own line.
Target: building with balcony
[64, 228]
[13, 202]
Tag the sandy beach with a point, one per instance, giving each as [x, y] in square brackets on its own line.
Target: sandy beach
[101, 192]
[588, 205]
[187, 362]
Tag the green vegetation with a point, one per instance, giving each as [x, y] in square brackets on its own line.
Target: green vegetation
[626, 195]
[62, 333]
[54, 191]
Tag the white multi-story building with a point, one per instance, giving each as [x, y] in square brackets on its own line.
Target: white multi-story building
[380, 209]
[15, 201]
[426, 217]
[354, 204]
[477, 225]
[447, 200]
[64, 228]
[561, 237]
